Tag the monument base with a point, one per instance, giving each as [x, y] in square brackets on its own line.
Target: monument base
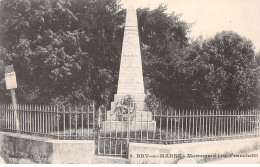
[122, 126]
[140, 120]
[143, 116]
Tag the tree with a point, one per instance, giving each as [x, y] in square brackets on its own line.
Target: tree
[222, 72]
[62, 50]
[164, 38]
[258, 77]
[68, 51]
[258, 58]
[233, 70]
[217, 73]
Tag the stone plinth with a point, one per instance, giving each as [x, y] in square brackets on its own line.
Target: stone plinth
[139, 116]
[140, 105]
[138, 97]
[140, 120]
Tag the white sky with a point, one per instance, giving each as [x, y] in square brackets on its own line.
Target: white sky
[212, 16]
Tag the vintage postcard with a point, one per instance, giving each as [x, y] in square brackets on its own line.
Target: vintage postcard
[129, 82]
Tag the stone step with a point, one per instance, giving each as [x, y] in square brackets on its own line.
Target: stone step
[139, 106]
[122, 126]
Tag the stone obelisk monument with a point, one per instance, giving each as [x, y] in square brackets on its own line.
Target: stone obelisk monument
[130, 74]
[131, 79]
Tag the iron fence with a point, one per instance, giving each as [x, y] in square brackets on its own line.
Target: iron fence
[60, 122]
[172, 127]
[113, 130]
[199, 125]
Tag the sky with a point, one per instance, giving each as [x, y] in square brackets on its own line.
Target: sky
[212, 16]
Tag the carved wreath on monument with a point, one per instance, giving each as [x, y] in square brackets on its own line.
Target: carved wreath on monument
[126, 104]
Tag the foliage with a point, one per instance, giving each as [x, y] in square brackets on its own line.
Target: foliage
[216, 73]
[68, 51]
[164, 38]
[63, 51]
[232, 76]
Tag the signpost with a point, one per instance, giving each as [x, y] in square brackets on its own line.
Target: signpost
[10, 80]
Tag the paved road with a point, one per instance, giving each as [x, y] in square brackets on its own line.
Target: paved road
[240, 160]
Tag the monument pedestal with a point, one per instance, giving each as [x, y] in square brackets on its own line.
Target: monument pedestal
[122, 126]
[140, 120]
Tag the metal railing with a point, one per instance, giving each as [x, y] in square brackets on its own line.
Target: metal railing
[112, 130]
[172, 127]
[60, 122]
[200, 125]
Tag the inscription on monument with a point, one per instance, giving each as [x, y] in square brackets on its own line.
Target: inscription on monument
[131, 73]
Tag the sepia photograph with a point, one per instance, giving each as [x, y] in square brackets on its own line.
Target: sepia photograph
[129, 82]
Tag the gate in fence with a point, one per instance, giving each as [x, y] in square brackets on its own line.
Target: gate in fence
[113, 135]
[117, 128]
[112, 131]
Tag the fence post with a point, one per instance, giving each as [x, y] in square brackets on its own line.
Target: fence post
[93, 123]
[128, 119]
[14, 100]
[99, 115]
[57, 121]
[128, 129]
[98, 129]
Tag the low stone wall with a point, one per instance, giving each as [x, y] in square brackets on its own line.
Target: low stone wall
[18, 148]
[199, 152]
[25, 149]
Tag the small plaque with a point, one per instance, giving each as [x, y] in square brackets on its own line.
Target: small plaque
[10, 80]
